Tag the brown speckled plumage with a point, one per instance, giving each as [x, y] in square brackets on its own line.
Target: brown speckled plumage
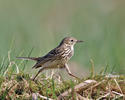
[56, 58]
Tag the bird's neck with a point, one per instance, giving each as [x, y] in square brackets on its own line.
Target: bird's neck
[64, 45]
[72, 48]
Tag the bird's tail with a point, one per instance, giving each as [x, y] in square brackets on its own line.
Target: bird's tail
[28, 58]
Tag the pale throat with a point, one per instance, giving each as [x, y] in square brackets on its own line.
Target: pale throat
[71, 47]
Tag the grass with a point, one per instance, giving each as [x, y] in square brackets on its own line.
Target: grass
[18, 85]
[21, 87]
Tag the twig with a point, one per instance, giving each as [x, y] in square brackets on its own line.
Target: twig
[117, 93]
[120, 95]
[104, 96]
[95, 85]
[35, 95]
[81, 97]
[77, 88]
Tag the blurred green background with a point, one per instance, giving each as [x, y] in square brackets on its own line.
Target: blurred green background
[42, 24]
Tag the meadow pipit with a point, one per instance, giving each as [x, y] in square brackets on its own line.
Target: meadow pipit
[56, 58]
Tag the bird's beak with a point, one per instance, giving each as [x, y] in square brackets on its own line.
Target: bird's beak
[78, 41]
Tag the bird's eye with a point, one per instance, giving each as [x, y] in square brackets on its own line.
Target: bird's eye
[71, 40]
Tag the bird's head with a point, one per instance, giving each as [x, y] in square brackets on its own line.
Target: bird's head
[70, 41]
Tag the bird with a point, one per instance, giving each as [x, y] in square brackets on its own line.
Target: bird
[57, 57]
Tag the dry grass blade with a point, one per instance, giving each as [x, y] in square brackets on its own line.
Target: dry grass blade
[120, 95]
[117, 93]
[43, 97]
[118, 86]
[104, 96]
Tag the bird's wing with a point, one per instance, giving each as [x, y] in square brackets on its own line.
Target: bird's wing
[51, 56]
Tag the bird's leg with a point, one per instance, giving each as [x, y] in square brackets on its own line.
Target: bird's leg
[69, 72]
[38, 73]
